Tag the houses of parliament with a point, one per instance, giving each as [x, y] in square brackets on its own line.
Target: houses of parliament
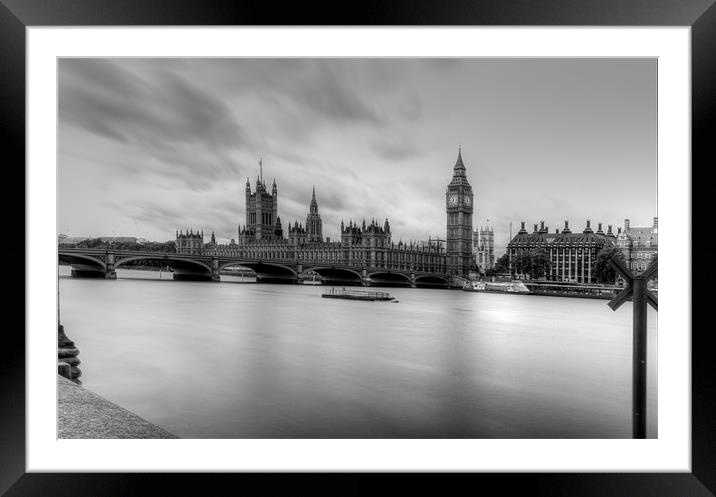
[364, 244]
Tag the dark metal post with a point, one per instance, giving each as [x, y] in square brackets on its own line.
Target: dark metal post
[639, 360]
[641, 296]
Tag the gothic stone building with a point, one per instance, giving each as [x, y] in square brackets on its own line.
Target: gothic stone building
[571, 254]
[458, 204]
[262, 221]
[364, 245]
[189, 242]
[484, 248]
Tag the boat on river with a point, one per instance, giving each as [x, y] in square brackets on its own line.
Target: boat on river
[497, 287]
[342, 293]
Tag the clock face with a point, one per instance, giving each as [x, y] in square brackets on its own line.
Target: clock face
[468, 200]
[452, 200]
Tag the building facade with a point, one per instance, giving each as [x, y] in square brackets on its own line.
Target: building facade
[639, 245]
[365, 245]
[262, 221]
[369, 247]
[484, 248]
[459, 208]
[571, 255]
[189, 242]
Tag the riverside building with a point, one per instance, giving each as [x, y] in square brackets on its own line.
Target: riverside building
[639, 244]
[571, 255]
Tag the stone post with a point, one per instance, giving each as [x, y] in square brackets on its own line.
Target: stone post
[67, 360]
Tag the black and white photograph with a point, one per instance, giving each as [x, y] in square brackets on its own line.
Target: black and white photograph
[357, 248]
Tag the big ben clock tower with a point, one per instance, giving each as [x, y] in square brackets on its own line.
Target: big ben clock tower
[458, 202]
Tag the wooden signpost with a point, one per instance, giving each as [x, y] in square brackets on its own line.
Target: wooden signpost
[636, 288]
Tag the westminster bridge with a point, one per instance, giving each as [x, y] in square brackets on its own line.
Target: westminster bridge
[103, 263]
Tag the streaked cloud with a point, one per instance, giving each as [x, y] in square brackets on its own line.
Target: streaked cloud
[147, 146]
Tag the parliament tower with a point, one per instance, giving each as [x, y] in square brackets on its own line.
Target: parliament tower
[262, 220]
[314, 225]
[458, 202]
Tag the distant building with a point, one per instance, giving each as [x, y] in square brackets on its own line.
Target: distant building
[212, 242]
[484, 248]
[639, 245]
[70, 240]
[189, 242]
[571, 255]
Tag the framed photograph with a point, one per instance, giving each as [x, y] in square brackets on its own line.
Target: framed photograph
[425, 242]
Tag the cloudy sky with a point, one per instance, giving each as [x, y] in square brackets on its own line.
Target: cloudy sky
[148, 146]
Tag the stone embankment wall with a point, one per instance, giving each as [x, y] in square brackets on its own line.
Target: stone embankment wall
[84, 414]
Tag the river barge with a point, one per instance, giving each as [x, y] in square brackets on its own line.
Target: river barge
[497, 287]
[342, 293]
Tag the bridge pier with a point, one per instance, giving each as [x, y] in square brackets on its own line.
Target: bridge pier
[109, 271]
[413, 283]
[215, 272]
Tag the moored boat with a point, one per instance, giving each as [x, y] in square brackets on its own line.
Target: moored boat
[497, 287]
[342, 293]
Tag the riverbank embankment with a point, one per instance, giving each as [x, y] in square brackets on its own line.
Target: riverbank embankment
[84, 414]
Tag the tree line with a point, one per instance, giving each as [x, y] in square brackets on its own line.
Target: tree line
[97, 243]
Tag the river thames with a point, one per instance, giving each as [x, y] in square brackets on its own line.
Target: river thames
[247, 360]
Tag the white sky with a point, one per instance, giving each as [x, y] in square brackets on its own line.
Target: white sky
[149, 146]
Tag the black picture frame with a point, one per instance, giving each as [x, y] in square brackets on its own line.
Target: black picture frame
[16, 15]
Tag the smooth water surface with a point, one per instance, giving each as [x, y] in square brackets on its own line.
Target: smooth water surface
[246, 360]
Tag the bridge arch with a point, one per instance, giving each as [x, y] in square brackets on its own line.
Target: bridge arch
[80, 258]
[390, 278]
[259, 266]
[337, 274]
[162, 258]
[432, 280]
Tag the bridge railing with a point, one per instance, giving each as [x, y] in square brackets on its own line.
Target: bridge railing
[227, 258]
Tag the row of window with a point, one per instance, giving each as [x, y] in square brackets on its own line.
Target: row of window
[639, 266]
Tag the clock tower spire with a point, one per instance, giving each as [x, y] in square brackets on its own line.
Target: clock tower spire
[459, 207]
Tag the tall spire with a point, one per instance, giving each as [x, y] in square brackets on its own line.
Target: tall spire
[313, 206]
[261, 169]
[459, 169]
